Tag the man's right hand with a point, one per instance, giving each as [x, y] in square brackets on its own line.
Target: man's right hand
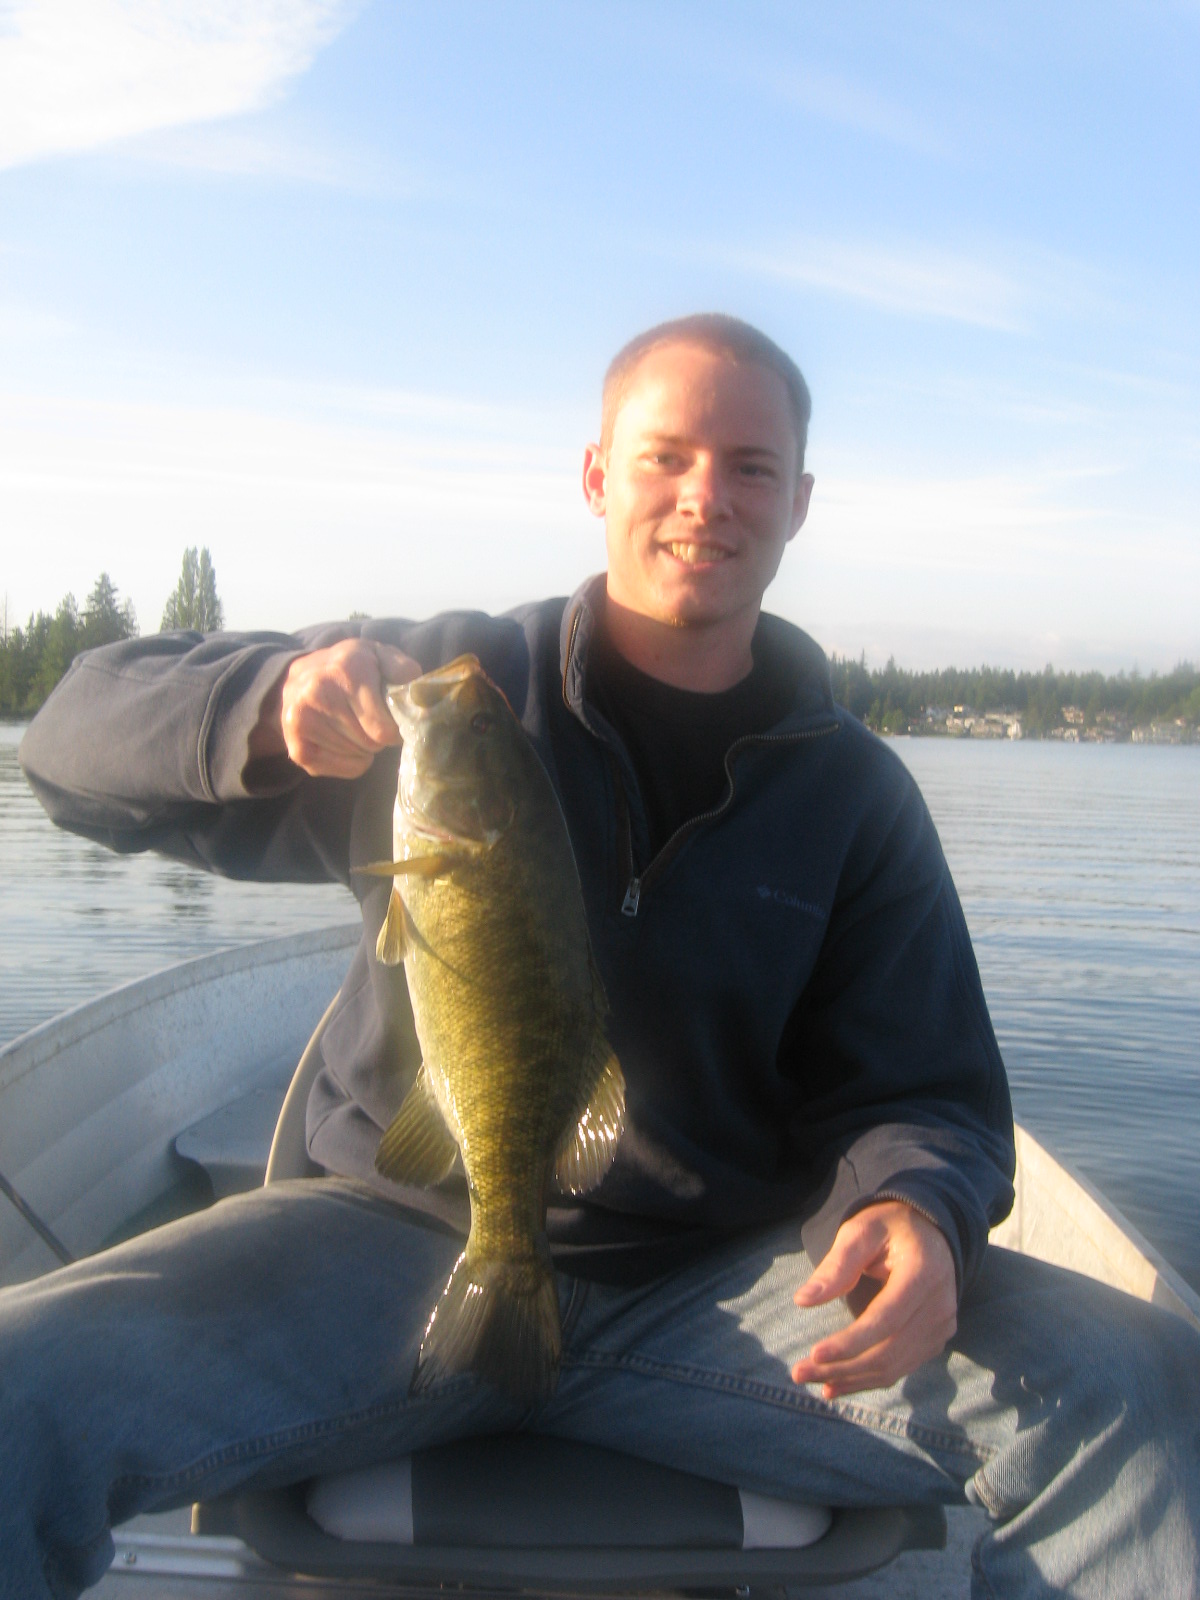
[329, 713]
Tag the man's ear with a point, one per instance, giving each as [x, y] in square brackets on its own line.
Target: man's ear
[804, 489]
[595, 479]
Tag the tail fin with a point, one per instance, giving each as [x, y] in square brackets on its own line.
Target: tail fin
[499, 1319]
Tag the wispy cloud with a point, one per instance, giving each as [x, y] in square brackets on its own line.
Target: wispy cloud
[832, 97]
[916, 280]
[246, 149]
[22, 324]
[390, 501]
[78, 74]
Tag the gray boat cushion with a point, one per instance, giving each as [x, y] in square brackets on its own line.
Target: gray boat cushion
[532, 1491]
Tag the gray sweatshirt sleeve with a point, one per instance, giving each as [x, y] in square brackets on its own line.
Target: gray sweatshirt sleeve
[145, 745]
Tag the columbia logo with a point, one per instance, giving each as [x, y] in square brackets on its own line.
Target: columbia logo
[785, 897]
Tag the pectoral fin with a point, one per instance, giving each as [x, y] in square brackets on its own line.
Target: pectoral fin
[397, 936]
[430, 866]
[418, 1147]
[587, 1151]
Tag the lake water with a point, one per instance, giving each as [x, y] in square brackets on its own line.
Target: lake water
[1079, 871]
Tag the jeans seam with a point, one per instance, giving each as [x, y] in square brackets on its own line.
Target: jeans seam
[263, 1446]
[854, 1413]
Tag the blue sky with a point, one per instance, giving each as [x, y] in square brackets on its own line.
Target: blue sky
[330, 288]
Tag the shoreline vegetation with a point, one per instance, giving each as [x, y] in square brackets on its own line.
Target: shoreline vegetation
[33, 659]
[991, 703]
[975, 703]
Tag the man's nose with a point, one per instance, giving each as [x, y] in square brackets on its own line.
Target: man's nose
[704, 491]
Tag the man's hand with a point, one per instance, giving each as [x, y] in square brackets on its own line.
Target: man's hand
[907, 1322]
[328, 714]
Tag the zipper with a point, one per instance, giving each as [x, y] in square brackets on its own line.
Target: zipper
[887, 1194]
[569, 653]
[637, 883]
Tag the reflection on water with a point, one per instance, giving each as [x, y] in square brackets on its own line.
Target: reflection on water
[192, 894]
[1078, 868]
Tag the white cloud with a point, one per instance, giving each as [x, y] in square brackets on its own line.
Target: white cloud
[1004, 290]
[76, 74]
[377, 500]
[1016, 567]
[831, 97]
[245, 149]
[23, 324]
[913, 279]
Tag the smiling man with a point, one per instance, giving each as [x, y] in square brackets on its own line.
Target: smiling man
[784, 1280]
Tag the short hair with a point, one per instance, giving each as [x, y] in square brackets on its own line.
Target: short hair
[711, 330]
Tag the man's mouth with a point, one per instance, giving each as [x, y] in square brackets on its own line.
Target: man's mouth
[694, 555]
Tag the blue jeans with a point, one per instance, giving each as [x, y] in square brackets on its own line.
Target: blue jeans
[274, 1336]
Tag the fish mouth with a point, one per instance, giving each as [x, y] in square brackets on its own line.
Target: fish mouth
[411, 702]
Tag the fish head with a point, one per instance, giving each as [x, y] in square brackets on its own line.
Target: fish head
[460, 769]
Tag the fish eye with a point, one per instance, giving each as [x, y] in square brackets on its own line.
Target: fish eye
[482, 721]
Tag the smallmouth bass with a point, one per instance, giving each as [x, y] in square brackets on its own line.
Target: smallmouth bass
[487, 915]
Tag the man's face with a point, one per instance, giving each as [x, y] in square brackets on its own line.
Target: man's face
[699, 489]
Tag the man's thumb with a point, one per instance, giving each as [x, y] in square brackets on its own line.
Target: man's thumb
[837, 1273]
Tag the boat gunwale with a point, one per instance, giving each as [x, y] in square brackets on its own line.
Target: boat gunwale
[39, 1044]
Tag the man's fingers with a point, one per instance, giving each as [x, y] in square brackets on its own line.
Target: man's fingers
[880, 1365]
[395, 666]
[334, 715]
[885, 1318]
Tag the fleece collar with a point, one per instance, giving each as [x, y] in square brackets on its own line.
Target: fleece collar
[813, 702]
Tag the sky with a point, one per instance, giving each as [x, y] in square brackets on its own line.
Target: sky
[330, 288]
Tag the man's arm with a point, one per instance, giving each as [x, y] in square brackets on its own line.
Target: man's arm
[184, 744]
[907, 1109]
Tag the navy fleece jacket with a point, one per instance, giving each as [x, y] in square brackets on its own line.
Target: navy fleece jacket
[795, 1002]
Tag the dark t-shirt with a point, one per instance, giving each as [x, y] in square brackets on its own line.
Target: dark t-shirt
[677, 739]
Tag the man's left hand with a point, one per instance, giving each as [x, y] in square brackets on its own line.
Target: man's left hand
[908, 1321]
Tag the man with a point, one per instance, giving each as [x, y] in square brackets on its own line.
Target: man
[811, 1074]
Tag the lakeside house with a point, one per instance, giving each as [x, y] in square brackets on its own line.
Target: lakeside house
[1174, 732]
[963, 723]
[1107, 727]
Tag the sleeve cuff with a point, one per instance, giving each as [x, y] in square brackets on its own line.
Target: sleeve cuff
[233, 712]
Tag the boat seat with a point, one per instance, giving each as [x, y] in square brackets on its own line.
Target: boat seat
[531, 1511]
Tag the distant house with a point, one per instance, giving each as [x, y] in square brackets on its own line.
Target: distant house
[1164, 732]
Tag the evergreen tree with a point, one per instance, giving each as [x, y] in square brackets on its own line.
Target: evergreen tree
[195, 604]
[104, 620]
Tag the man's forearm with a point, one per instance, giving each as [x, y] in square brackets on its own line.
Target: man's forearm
[148, 725]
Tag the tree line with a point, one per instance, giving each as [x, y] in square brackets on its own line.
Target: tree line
[34, 658]
[889, 698]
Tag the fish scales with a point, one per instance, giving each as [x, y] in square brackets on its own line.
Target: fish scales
[517, 1077]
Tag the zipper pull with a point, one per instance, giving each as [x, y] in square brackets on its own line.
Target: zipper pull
[629, 906]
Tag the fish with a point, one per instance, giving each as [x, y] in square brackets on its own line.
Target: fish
[517, 1078]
